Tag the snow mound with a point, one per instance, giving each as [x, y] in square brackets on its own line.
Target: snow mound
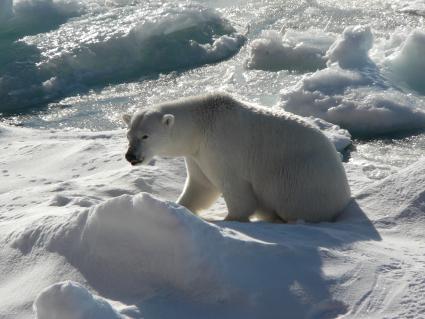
[352, 48]
[404, 203]
[408, 63]
[130, 246]
[296, 50]
[69, 300]
[141, 243]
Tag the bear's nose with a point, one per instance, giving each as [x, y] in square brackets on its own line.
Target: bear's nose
[130, 157]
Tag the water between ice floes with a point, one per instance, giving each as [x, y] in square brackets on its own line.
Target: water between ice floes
[358, 64]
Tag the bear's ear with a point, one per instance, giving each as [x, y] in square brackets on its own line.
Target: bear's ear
[168, 120]
[127, 119]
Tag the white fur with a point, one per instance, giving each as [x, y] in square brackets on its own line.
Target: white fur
[262, 161]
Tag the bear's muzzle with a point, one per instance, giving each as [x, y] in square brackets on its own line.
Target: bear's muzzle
[130, 157]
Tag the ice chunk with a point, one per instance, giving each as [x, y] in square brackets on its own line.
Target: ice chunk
[408, 63]
[333, 81]
[296, 50]
[351, 49]
[339, 137]
[362, 111]
[411, 6]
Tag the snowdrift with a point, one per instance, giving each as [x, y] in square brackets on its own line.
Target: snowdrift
[400, 203]
[69, 300]
[142, 245]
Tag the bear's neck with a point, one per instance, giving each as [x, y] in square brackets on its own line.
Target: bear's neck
[186, 134]
[191, 136]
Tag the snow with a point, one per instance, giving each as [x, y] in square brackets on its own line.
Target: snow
[69, 300]
[84, 234]
[142, 244]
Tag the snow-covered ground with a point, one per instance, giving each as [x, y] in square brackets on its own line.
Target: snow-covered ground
[85, 235]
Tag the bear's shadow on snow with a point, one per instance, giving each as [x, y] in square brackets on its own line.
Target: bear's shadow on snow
[277, 271]
[353, 220]
[283, 268]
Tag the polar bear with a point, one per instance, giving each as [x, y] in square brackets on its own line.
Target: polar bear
[262, 161]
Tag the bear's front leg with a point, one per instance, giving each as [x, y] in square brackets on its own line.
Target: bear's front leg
[240, 201]
[198, 193]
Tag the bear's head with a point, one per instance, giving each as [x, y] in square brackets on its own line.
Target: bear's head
[149, 134]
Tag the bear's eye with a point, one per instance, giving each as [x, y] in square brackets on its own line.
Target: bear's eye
[144, 137]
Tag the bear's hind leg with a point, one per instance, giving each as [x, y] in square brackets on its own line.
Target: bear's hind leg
[240, 201]
[198, 193]
[269, 216]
